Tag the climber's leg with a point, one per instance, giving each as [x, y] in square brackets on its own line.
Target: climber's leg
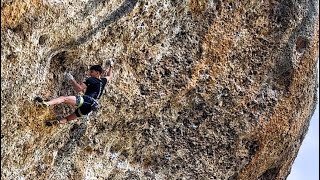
[71, 100]
[70, 117]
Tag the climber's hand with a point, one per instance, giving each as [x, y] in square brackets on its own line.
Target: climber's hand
[69, 77]
[111, 63]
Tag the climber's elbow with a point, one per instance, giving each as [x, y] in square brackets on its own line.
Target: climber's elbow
[81, 88]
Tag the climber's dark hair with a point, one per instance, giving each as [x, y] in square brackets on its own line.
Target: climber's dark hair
[97, 68]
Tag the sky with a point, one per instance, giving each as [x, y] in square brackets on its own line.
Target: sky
[306, 165]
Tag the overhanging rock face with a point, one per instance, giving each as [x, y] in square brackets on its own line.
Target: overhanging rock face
[201, 89]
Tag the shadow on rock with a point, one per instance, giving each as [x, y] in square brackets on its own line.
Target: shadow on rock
[76, 132]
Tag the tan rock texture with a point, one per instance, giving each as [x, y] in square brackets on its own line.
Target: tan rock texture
[202, 89]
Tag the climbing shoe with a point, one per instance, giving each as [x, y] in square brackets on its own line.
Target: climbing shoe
[52, 122]
[40, 102]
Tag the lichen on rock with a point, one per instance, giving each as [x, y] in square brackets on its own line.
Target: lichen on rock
[201, 89]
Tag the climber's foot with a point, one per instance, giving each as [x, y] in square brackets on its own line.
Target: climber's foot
[40, 102]
[52, 122]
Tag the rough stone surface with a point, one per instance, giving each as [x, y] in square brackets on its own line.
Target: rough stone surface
[202, 89]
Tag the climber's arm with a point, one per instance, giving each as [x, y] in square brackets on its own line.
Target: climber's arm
[108, 74]
[78, 87]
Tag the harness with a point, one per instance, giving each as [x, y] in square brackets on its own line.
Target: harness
[94, 103]
[95, 106]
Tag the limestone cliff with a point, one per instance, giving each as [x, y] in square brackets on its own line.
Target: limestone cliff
[202, 89]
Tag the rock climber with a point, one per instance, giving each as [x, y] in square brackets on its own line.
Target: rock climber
[91, 90]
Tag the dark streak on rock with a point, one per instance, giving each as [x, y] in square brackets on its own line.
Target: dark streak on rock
[126, 7]
[270, 174]
[91, 5]
[283, 70]
[76, 132]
